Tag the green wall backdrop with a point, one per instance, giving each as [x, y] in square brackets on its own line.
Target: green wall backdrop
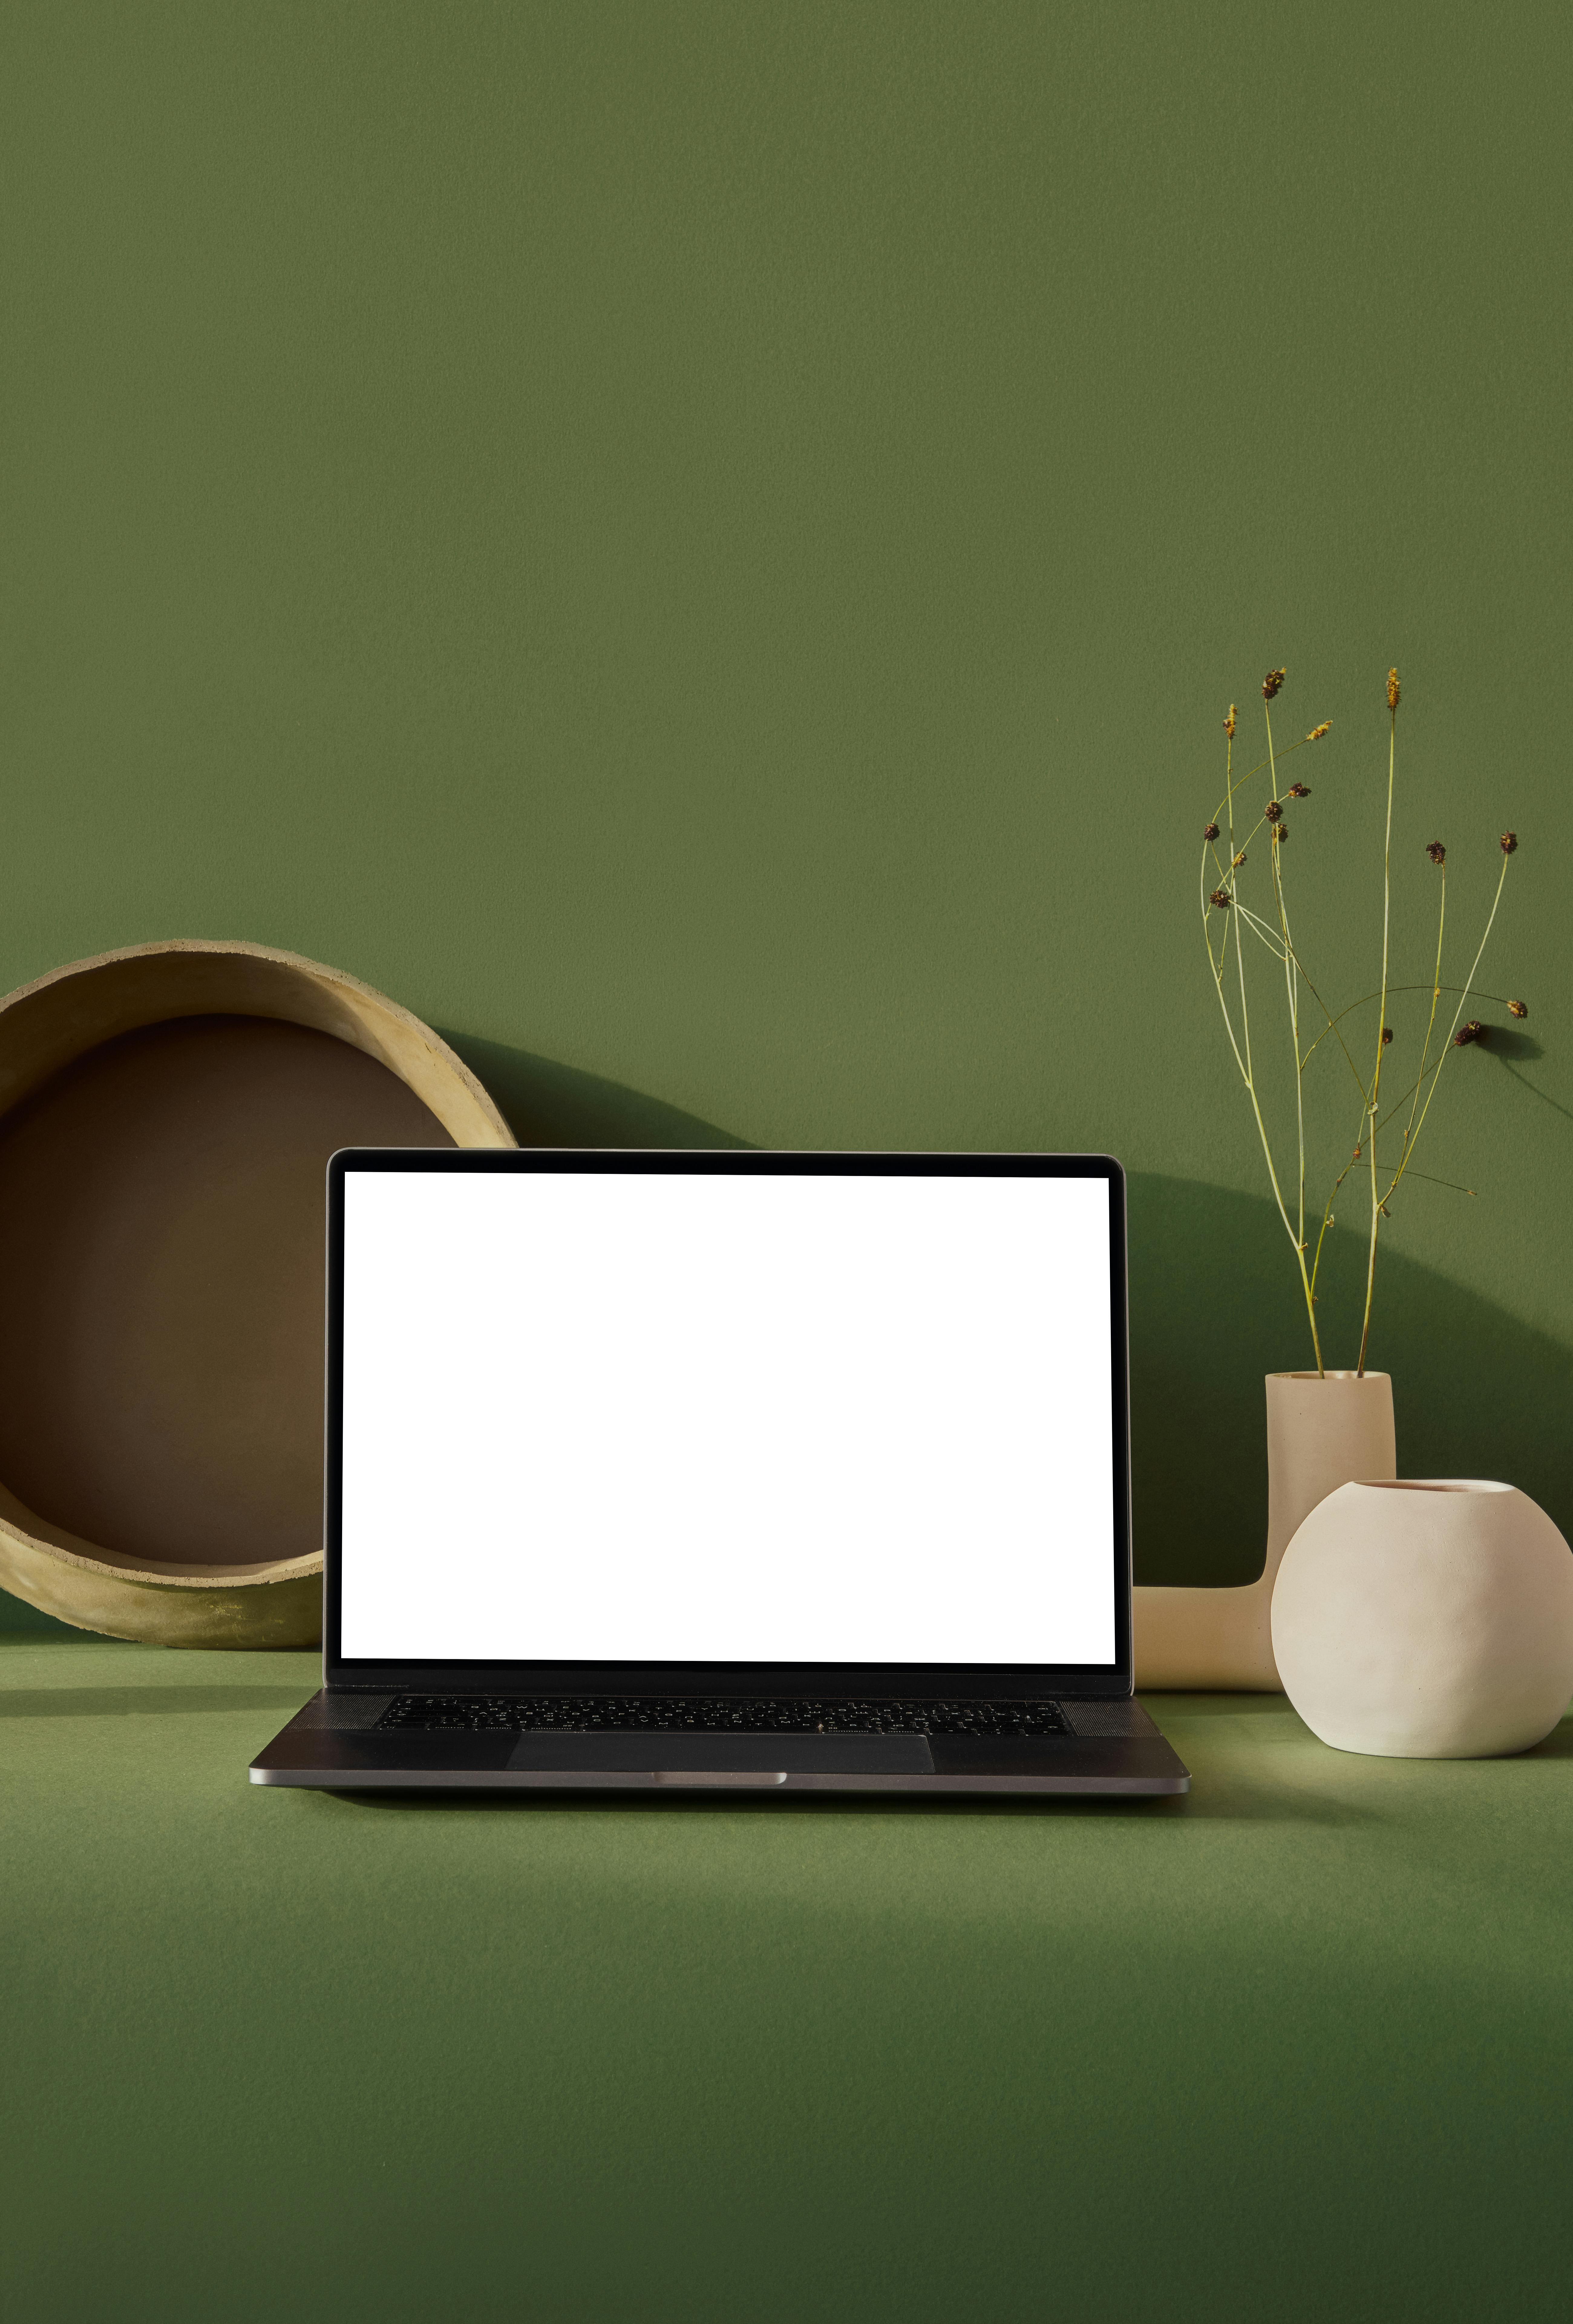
[704, 550]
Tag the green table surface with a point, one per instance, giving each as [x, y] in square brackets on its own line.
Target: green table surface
[1296, 2046]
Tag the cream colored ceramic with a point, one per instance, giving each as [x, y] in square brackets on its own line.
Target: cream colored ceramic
[166, 1114]
[1430, 1619]
[1322, 1431]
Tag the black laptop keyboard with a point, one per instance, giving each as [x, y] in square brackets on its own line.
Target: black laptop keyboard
[601, 1714]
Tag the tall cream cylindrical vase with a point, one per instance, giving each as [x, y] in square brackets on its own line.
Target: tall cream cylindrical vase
[1322, 1430]
[1427, 1619]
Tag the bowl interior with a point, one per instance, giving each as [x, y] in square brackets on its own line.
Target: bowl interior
[162, 1229]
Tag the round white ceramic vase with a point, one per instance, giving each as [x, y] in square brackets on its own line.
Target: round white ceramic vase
[1426, 1618]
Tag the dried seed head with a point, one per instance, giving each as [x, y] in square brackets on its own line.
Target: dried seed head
[1299, 790]
[1229, 722]
[1437, 852]
[1273, 810]
[1509, 842]
[1317, 732]
[1271, 684]
[1279, 833]
[1219, 900]
[1211, 831]
[1386, 1035]
[1474, 1031]
[1392, 689]
[1239, 859]
[1517, 1008]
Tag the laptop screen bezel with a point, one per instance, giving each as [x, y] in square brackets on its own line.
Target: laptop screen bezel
[999, 1681]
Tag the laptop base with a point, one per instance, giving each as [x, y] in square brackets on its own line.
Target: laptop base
[333, 1745]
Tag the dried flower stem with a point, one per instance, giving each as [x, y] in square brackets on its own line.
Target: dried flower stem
[1382, 1017]
[1370, 1126]
[1274, 944]
[1376, 1124]
[1499, 1000]
[1410, 1143]
[1291, 988]
[1441, 861]
[1243, 1059]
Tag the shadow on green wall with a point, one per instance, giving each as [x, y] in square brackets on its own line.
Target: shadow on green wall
[547, 1105]
[1215, 1306]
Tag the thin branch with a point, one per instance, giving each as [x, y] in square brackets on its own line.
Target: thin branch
[1499, 999]
[1431, 1019]
[1451, 1184]
[1244, 1061]
[1260, 928]
[1291, 988]
[1382, 1024]
[1449, 1044]
[1330, 1027]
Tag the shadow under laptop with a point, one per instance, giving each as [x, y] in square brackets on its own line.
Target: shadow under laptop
[1226, 1799]
[1252, 1761]
[672, 1804]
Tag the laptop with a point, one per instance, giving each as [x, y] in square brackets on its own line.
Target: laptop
[666, 1473]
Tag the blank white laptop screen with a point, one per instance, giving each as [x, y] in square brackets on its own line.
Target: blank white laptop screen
[683, 1416]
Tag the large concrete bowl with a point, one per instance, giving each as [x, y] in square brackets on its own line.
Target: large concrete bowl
[166, 1114]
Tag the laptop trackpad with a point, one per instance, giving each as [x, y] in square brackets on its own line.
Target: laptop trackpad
[645, 1753]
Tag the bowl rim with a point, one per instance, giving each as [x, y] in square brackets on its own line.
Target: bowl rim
[361, 1017]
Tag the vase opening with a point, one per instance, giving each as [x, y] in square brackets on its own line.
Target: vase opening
[1329, 1374]
[1432, 1485]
